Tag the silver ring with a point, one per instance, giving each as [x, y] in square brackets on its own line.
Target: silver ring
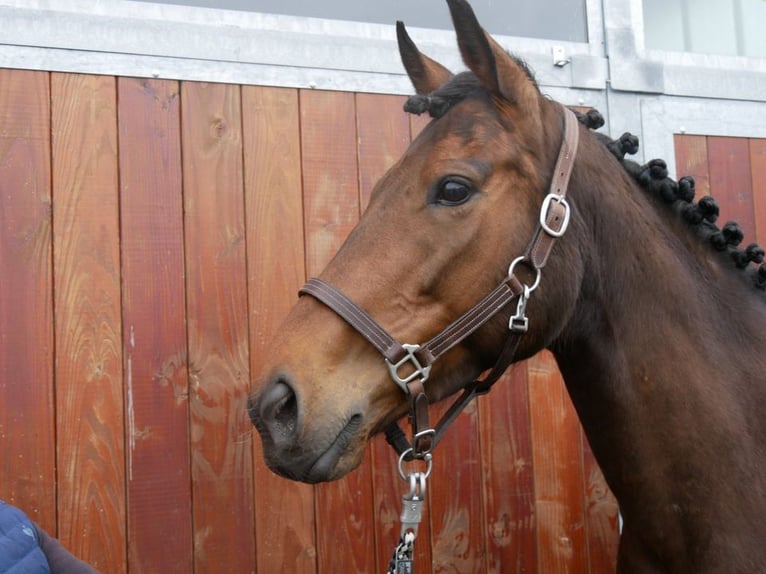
[537, 271]
[429, 465]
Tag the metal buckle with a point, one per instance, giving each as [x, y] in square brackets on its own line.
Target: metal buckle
[550, 198]
[420, 371]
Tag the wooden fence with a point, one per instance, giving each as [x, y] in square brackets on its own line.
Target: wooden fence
[152, 235]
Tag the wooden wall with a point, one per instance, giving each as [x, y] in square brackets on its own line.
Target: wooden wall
[152, 235]
[733, 170]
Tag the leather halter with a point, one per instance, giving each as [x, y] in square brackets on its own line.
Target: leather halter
[409, 365]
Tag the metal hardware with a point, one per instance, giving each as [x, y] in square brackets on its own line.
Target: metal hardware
[427, 458]
[518, 260]
[419, 372]
[550, 198]
[519, 322]
[416, 440]
[401, 562]
[412, 504]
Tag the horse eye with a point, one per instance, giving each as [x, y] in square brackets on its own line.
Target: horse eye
[453, 192]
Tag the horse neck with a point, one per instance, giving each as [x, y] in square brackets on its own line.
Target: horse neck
[663, 355]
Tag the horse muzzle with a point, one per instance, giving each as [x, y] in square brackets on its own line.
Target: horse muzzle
[294, 450]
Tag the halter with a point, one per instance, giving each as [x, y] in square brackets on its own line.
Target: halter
[409, 365]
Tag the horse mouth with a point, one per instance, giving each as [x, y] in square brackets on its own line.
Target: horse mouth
[322, 469]
[325, 467]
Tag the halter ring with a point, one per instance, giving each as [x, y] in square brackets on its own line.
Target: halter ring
[536, 282]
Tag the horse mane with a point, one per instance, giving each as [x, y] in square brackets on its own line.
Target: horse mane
[652, 177]
[679, 195]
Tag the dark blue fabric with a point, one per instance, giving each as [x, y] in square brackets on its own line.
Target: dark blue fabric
[20, 551]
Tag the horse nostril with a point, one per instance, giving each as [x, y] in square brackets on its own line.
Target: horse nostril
[278, 409]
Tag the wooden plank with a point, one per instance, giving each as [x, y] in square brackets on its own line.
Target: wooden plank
[345, 541]
[692, 159]
[758, 174]
[730, 181]
[224, 541]
[383, 135]
[508, 480]
[557, 460]
[156, 382]
[455, 509]
[89, 400]
[383, 130]
[27, 419]
[284, 510]
[601, 516]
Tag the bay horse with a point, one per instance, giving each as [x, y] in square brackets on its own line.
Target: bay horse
[658, 335]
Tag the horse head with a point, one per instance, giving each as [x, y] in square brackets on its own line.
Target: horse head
[441, 229]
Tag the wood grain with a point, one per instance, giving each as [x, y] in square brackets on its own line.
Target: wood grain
[730, 181]
[216, 286]
[557, 459]
[507, 474]
[758, 174]
[27, 423]
[383, 136]
[154, 336]
[284, 510]
[601, 515]
[345, 540]
[89, 399]
[456, 504]
[692, 159]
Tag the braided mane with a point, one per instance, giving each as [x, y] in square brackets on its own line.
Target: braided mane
[652, 176]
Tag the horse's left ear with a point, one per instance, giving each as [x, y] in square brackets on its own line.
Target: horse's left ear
[495, 68]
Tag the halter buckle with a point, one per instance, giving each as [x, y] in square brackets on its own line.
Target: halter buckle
[563, 223]
[419, 371]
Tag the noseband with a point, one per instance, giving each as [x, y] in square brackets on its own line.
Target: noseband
[409, 365]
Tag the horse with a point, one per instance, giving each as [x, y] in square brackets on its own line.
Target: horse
[513, 229]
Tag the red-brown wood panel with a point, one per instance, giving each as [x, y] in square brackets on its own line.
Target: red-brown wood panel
[456, 510]
[284, 510]
[557, 459]
[758, 169]
[216, 284]
[154, 334]
[345, 539]
[601, 515]
[27, 421]
[88, 330]
[383, 132]
[692, 159]
[730, 180]
[508, 480]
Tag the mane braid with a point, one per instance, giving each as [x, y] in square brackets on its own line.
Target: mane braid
[653, 178]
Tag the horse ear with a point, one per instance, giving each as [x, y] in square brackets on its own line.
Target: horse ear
[425, 74]
[492, 65]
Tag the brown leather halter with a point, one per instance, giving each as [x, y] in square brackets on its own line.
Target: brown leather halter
[409, 365]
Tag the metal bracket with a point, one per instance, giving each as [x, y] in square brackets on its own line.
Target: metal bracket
[419, 371]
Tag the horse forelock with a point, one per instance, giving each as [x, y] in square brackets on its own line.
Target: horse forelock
[458, 88]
